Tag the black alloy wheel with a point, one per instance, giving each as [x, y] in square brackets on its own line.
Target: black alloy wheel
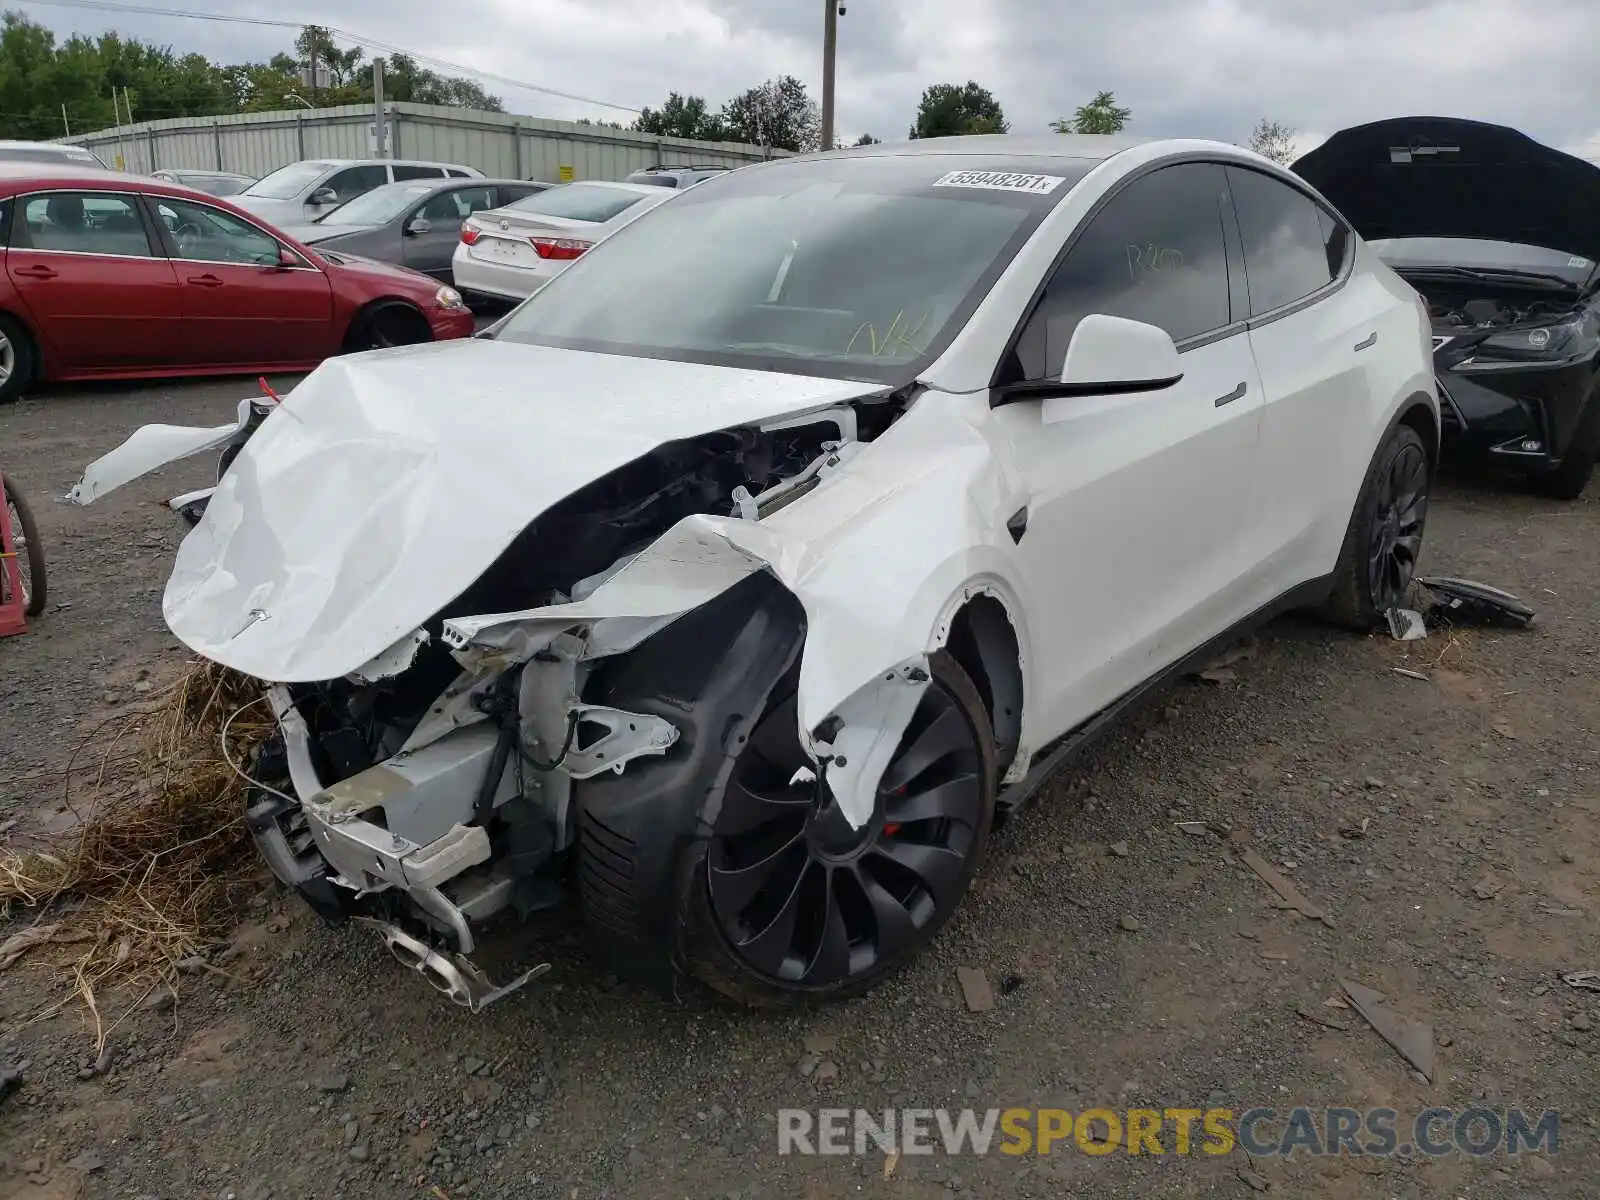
[806, 903]
[1394, 538]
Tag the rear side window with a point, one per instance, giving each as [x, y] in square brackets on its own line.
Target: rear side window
[1154, 253]
[83, 223]
[579, 202]
[411, 171]
[1288, 251]
[454, 173]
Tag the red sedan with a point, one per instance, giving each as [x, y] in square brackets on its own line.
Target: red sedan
[111, 276]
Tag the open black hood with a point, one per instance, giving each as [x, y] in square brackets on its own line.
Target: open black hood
[1444, 177]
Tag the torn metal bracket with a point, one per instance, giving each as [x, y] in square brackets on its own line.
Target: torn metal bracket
[628, 736]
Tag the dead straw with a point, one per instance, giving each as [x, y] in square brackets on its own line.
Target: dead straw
[158, 864]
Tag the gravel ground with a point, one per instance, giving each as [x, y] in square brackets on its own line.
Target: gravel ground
[1147, 967]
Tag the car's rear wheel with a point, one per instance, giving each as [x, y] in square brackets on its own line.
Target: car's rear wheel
[1379, 558]
[788, 902]
[388, 325]
[1568, 480]
[16, 359]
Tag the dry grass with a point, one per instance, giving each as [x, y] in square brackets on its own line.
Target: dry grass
[159, 861]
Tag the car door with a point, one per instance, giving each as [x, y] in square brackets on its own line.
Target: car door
[98, 287]
[243, 304]
[1134, 539]
[1314, 327]
[429, 246]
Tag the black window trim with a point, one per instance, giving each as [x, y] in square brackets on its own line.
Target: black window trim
[1346, 269]
[1234, 246]
[152, 236]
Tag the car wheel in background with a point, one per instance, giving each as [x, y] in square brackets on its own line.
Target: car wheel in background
[1568, 480]
[16, 359]
[1379, 558]
[387, 325]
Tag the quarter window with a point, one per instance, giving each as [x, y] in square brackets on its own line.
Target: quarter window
[1289, 251]
[83, 223]
[206, 234]
[1155, 253]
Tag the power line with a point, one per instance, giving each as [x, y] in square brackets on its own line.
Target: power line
[149, 10]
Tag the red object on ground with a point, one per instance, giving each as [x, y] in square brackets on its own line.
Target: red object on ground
[13, 618]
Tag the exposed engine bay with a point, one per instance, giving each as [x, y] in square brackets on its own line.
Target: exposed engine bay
[1457, 308]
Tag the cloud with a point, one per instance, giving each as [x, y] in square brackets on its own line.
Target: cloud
[1208, 68]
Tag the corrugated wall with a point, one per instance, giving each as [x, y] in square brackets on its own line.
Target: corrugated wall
[497, 144]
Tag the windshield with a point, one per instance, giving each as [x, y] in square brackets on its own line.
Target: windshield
[379, 206]
[287, 182]
[1420, 253]
[860, 268]
[578, 202]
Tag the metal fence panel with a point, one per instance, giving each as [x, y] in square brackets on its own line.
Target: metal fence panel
[498, 144]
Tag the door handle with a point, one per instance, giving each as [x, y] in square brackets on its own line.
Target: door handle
[1231, 396]
[207, 280]
[35, 272]
[1369, 341]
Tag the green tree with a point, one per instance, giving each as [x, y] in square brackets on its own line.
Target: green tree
[949, 109]
[684, 117]
[1101, 115]
[778, 114]
[1273, 140]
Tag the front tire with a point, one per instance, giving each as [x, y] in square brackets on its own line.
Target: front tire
[1378, 560]
[785, 903]
[386, 326]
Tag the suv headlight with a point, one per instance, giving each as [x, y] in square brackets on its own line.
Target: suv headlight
[448, 297]
[1521, 345]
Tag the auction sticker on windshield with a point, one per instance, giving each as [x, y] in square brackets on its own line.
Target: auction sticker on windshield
[1002, 181]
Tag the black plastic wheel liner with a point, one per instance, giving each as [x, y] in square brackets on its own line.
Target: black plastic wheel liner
[803, 897]
[710, 673]
[1395, 538]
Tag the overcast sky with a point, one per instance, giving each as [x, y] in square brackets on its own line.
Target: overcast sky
[1207, 68]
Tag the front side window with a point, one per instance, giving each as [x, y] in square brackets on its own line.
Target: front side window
[1155, 253]
[206, 234]
[1287, 252]
[857, 268]
[356, 181]
[83, 223]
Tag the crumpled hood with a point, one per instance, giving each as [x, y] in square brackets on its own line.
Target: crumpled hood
[386, 483]
[1445, 177]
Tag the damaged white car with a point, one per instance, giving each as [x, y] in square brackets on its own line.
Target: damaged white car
[737, 580]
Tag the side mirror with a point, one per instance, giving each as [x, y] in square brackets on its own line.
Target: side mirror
[323, 196]
[418, 226]
[287, 259]
[1109, 356]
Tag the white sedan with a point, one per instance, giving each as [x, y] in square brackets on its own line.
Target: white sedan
[511, 252]
[739, 577]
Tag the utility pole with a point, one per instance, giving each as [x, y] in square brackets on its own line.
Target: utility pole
[65, 124]
[830, 39]
[380, 125]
